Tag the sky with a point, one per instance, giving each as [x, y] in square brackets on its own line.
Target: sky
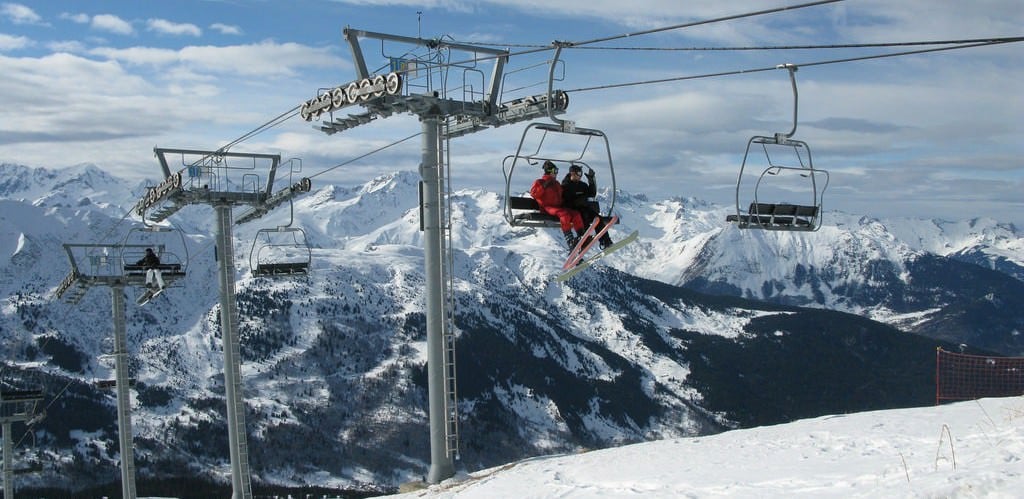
[966, 449]
[938, 134]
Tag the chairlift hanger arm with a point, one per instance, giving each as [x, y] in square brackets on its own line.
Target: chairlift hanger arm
[565, 125]
[161, 154]
[792, 79]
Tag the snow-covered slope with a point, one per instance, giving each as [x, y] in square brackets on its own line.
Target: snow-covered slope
[968, 449]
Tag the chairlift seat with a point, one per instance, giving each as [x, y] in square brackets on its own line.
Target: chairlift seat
[527, 212]
[782, 216]
[270, 269]
[164, 268]
[16, 395]
[110, 384]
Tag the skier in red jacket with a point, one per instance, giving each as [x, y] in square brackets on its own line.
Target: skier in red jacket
[547, 191]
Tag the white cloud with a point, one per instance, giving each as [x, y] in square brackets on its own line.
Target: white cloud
[226, 29]
[144, 56]
[262, 59]
[72, 46]
[8, 42]
[171, 28]
[113, 24]
[19, 14]
[76, 18]
[63, 95]
[945, 19]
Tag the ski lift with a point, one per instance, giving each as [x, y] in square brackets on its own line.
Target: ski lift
[280, 251]
[31, 455]
[166, 241]
[562, 143]
[786, 170]
[19, 402]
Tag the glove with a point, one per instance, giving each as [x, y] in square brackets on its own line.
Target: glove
[590, 174]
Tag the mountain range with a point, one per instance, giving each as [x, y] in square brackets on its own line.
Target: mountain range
[695, 328]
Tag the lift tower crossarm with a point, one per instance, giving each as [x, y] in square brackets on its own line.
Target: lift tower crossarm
[163, 152]
[352, 36]
[501, 56]
[171, 195]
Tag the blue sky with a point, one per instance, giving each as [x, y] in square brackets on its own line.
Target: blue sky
[936, 134]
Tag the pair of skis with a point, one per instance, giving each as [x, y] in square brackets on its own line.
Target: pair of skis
[576, 261]
[149, 295]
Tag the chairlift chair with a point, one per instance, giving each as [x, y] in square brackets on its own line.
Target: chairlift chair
[280, 251]
[166, 241]
[780, 177]
[523, 210]
[19, 402]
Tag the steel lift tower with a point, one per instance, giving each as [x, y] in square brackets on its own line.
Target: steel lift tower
[222, 180]
[105, 265]
[441, 117]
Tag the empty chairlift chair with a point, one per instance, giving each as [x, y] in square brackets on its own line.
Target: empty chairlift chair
[786, 171]
[280, 251]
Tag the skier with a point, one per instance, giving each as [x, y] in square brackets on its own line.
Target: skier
[548, 194]
[151, 264]
[581, 195]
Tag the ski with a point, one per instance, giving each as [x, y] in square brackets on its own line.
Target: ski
[590, 261]
[149, 295]
[577, 254]
[145, 297]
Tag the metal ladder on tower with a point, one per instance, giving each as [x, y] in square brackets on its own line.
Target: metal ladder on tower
[232, 372]
[451, 401]
[243, 445]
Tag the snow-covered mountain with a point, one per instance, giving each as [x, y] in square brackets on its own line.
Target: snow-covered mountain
[333, 364]
[957, 281]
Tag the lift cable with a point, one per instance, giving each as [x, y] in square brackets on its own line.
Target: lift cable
[804, 47]
[357, 158]
[699, 23]
[803, 64]
[532, 49]
[276, 121]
